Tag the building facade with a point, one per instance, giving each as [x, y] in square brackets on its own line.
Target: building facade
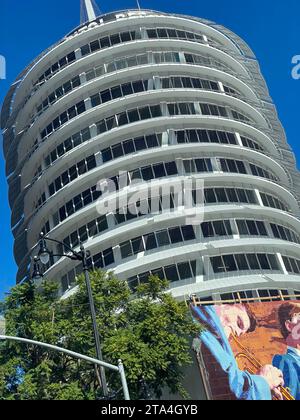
[145, 95]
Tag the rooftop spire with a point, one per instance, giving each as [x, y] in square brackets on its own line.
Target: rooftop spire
[89, 10]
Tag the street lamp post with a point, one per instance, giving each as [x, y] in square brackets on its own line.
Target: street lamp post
[44, 256]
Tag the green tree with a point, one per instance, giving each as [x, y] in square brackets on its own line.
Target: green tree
[149, 331]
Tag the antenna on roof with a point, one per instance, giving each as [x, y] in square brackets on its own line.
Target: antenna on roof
[88, 10]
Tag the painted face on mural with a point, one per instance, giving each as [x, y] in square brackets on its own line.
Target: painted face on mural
[293, 326]
[235, 319]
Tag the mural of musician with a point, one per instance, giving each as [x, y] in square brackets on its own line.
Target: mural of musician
[238, 344]
[289, 363]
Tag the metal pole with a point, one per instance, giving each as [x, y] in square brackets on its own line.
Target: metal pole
[90, 11]
[94, 320]
[119, 368]
[124, 381]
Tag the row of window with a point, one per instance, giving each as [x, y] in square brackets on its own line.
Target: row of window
[183, 82]
[271, 201]
[160, 203]
[72, 173]
[250, 144]
[119, 91]
[166, 237]
[115, 39]
[118, 38]
[174, 272]
[152, 57]
[133, 61]
[174, 33]
[187, 270]
[237, 166]
[258, 171]
[244, 262]
[63, 118]
[109, 41]
[59, 93]
[227, 195]
[82, 234]
[101, 260]
[131, 146]
[60, 64]
[292, 265]
[69, 144]
[143, 113]
[155, 111]
[205, 136]
[158, 239]
[87, 49]
[146, 142]
[285, 234]
[138, 86]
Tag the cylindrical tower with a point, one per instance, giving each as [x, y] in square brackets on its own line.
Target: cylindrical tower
[165, 98]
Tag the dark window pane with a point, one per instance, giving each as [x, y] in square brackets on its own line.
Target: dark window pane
[264, 263]
[127, 89]
[128, 147]
[184, 270]
[145, 113]
[108, 257]
[253, 262]
[221, 195]
[159, 170]
[188, 233]
[140, 143]
[229, 263]
[117, 151]
[150, 241]
[106, 155]
[133, 115]
[126, 250]
[105, 42]
[241, 262]
[217, 264]
[175, 235]
[116, 92]
[171, 168]
[163, 238]
[137, 245]
[210, 196]
[252, 227]
[273, 262]
[219, 228]
[171, 273]
[147, 173]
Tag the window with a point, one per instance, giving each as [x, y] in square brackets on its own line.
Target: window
[150, 241]
[241, 262]
[163, 238]
[171, 273]
[253, 262]
[126, 250]
[175, 235]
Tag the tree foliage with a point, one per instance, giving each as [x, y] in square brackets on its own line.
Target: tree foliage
[149, 331]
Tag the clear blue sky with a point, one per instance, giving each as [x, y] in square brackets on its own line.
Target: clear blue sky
[270, 27]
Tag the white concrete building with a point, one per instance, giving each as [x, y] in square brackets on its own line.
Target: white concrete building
[166, 98]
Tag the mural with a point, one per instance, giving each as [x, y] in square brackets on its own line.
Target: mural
[250, 351]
